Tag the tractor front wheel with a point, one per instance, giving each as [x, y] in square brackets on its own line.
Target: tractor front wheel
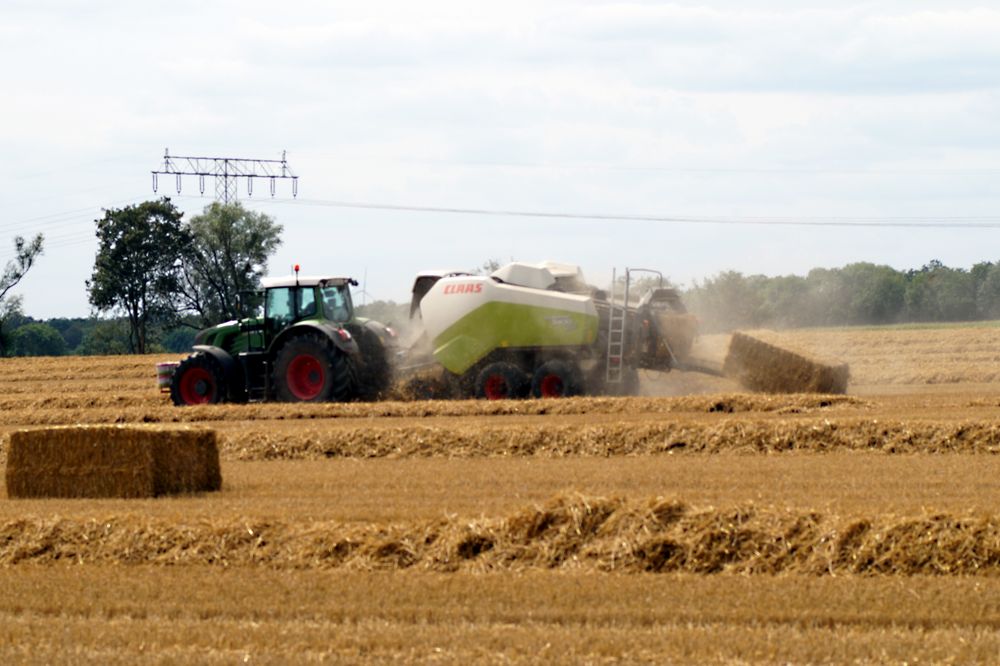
[500, 381]
[309, 369]
[198, 380]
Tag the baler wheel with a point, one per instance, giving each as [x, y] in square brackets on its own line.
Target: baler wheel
[556, 379]
[501, 381]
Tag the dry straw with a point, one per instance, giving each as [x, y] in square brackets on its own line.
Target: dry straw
[112, 461]
[675, 435]
[570, 531]
[761, 366]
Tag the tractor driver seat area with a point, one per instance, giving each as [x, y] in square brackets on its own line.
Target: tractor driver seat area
[334, 305]
[307, 303]
[278, 311]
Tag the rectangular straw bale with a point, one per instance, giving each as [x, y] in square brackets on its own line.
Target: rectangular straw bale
[764, 367]
[112, 461]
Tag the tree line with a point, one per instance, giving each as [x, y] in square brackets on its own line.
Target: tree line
[157, 279]
[856, 294]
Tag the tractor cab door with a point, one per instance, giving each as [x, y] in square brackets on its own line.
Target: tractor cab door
[279, 312]
[283, 306]
[337, 304]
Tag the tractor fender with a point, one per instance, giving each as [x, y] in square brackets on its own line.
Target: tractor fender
[233, 371]
[340, 337]
[384, 335]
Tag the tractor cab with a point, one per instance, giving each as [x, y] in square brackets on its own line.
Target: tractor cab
[290, 300]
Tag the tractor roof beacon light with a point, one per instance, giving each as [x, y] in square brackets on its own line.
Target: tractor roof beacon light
[296, 268]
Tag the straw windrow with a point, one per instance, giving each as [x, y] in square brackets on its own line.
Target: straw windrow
[570, 531]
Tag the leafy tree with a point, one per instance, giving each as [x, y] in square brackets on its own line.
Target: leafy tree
[786, 301]
[875, 293]
[137, 267]
[71, 330]
[105, 337]
[727, 301]
[179, 339]
[228, 255]
[25, 254]
[939, 293]
[487, 266]
[988, 293]
[37, 339]
[829, 301]
[11, 316]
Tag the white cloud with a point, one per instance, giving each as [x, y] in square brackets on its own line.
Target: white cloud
[698, 108]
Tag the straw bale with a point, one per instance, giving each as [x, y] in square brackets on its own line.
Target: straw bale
[761, 366]
[111, 461]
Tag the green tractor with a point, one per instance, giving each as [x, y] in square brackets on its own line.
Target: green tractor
[306, 346]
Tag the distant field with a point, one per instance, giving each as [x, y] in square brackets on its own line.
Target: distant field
[783, 528]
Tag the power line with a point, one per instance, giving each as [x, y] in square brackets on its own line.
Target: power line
[949, 222]
[666, 168]
[60, 219]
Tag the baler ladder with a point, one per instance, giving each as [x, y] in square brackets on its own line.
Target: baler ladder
[615, 370]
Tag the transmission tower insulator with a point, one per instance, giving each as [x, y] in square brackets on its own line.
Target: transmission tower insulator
[272, 186]
[154, 183]
[201, 184]
[178, 183]
[295, 186]
[249, 186]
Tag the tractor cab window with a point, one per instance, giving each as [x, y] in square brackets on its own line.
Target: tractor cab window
[336, 304]
[306, 303]
[279, 309]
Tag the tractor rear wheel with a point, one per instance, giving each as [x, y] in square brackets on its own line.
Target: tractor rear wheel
[310, 369]
[374, 373]
[501, 381]
[198, 380]
[556, 379]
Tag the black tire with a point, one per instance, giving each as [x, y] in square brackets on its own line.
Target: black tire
[308, 368]
[198, 380]
[501, 381]
[374, 374]
[556, 379]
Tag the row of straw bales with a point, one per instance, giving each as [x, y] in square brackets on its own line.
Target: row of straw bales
[677, 436]
[569, 532]
[76, 408]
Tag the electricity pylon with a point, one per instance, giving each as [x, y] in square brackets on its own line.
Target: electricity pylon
[226, 171]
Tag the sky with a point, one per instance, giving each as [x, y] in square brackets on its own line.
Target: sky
[740, 129]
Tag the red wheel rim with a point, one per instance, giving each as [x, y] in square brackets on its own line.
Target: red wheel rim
[551, 386]
[197, 386]
[496, 388]
[305, 377]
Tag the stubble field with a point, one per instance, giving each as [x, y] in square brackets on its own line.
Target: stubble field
[695, 523]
